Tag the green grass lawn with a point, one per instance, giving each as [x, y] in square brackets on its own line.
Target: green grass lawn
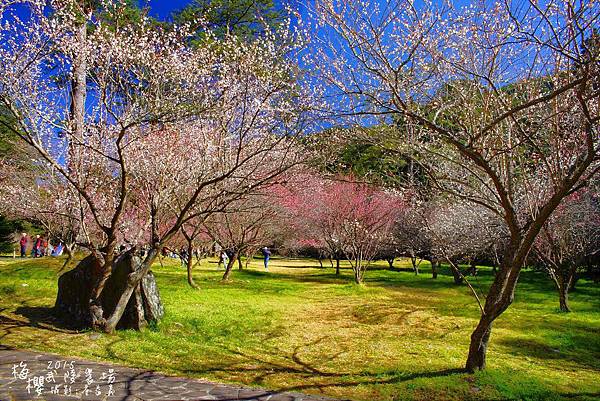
[301, 328]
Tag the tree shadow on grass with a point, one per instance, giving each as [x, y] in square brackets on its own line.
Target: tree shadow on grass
[306, 375]
[580, 349]
[38, 317]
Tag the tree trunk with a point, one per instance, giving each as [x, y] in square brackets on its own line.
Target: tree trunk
[229, 266]
[500, 296]
[563, 298]
[562, 288]
[391, 262]
[190, 265]
[249, 258]
[103, 270]
[479, 343]
[239, 259]
[139, 270]
[129, 300]
[358, 273]
[456, 274]
[434, 266]
[337, 267]
[320, 263]
[79, 85]
[413, 260]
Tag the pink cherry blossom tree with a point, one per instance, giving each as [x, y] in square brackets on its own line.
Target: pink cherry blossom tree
[346, 217]
[309, 219]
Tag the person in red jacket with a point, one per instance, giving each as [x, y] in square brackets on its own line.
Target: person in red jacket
[23, 243]
[37, 244]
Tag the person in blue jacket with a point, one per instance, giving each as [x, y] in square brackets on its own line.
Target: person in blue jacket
[267, 254]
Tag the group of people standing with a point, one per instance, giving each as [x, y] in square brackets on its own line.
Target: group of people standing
[40, 246]
[227, 254]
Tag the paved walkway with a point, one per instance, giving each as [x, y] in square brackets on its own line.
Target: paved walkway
[28, 375]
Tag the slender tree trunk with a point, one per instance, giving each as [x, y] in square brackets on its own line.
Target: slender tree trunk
[239, 259]
[562, 287]
[337, 267]
[79, 85]
[320, 262]
[391, 262]
[358, 272]
[500, 296]
[190, 265]
[249, 258]
[331, 262]
[563, 297]
[229, 267]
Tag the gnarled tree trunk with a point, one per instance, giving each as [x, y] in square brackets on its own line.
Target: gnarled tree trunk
[129, 300]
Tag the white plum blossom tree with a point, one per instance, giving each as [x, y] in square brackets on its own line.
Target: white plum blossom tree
[147, 131]
[498, 100]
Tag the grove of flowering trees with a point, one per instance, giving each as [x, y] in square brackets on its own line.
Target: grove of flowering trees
[140, 126]
[498, 101]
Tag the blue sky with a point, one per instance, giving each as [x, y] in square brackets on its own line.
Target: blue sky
[163, 8]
